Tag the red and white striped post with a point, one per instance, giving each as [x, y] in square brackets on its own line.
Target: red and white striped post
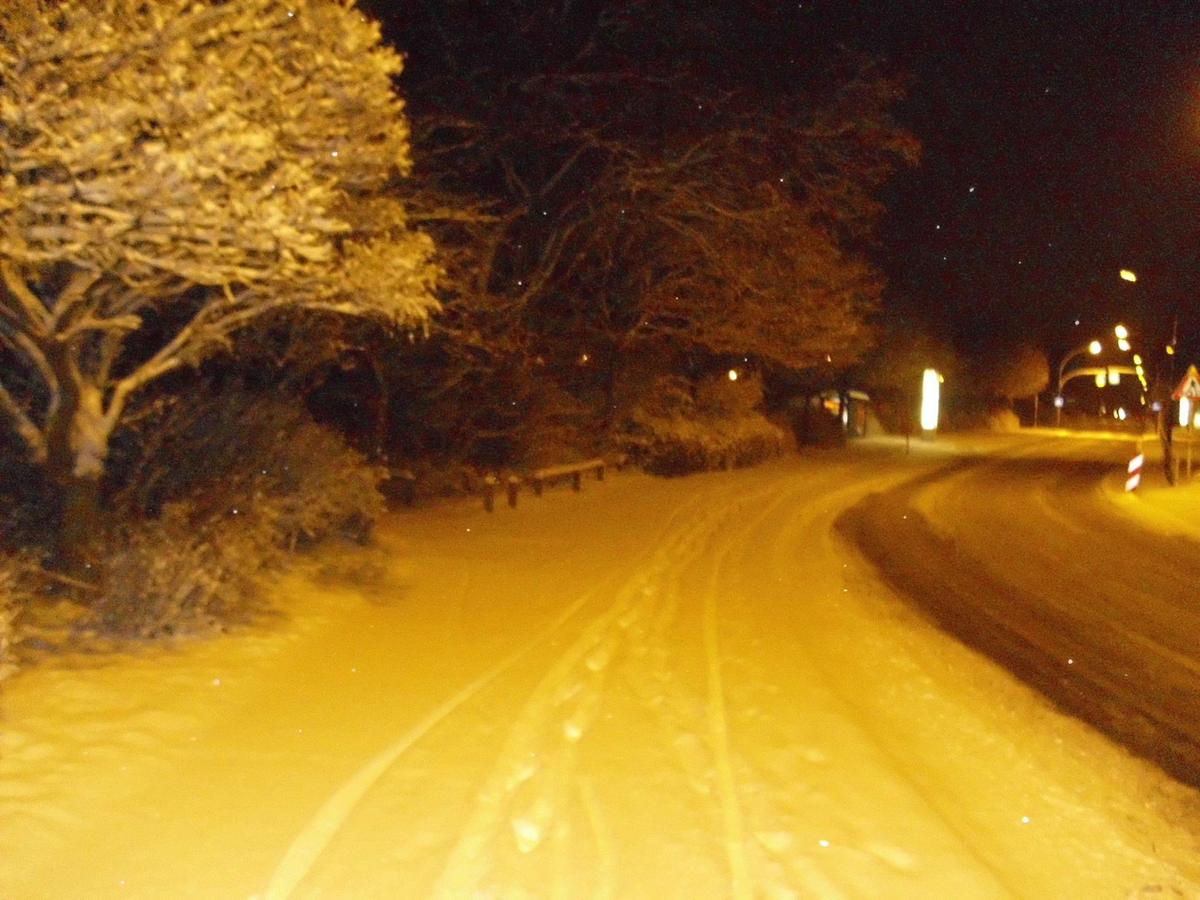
[1135, 472]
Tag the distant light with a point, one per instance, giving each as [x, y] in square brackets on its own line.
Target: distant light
[1124, 345]
[1101, 379]
[930, 398]
[1058, 402]
[1185, 411]
[1127, 275]
[1121, 332]
[1170, 349]
[583, 357]
[1094, 347]
[733, 375]
[1119, 413]
[1137, 360]
[1114, 377]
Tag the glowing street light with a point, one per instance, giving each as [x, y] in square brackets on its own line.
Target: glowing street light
[733, 375]
[930, 399]
[1121, 332]
[1128, 275]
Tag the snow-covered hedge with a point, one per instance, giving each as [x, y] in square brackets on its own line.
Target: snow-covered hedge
[678, 429]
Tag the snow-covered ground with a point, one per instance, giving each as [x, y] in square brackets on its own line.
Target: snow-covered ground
[683, 688]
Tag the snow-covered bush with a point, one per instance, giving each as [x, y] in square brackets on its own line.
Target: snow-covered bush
[1003, 420]
[238, 451]
[25, 498]
[676, 430]
[175, 574]
[557, 428]
[217, 493]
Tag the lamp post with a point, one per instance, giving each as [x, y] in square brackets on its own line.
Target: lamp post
[1092, 347]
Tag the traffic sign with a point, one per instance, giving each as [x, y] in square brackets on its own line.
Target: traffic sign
[1189, 387]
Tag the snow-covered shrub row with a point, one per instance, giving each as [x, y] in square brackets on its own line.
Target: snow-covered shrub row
[223, 490]
[677, 429]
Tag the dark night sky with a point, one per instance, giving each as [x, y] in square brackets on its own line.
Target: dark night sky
[1078, 126]
[1062, 143]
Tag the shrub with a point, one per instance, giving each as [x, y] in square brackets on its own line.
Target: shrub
[217, 495]
[25, 498]
[557, 428]
[238, 451]
[673, 432]
[178, 574]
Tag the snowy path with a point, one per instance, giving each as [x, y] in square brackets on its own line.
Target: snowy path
[656, 688]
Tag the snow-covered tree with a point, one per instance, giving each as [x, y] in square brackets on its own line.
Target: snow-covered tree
[170, 173]
[1015, 371]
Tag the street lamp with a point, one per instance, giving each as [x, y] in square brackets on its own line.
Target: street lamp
[1092, 347]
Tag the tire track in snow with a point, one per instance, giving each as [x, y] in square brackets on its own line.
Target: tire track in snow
[593, 652]
[313, 839]
[803, 872]
[682, 712]
[718, 720]
[901, 768]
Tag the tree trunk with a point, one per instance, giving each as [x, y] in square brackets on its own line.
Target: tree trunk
[80, 526]
[382, 406]
[76, 448]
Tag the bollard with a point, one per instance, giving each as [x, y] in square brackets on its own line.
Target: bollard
[489, 492]
[599, 473]
[514, 484]
[576, 480]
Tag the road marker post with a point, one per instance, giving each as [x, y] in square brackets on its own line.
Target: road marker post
[1134, 472]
